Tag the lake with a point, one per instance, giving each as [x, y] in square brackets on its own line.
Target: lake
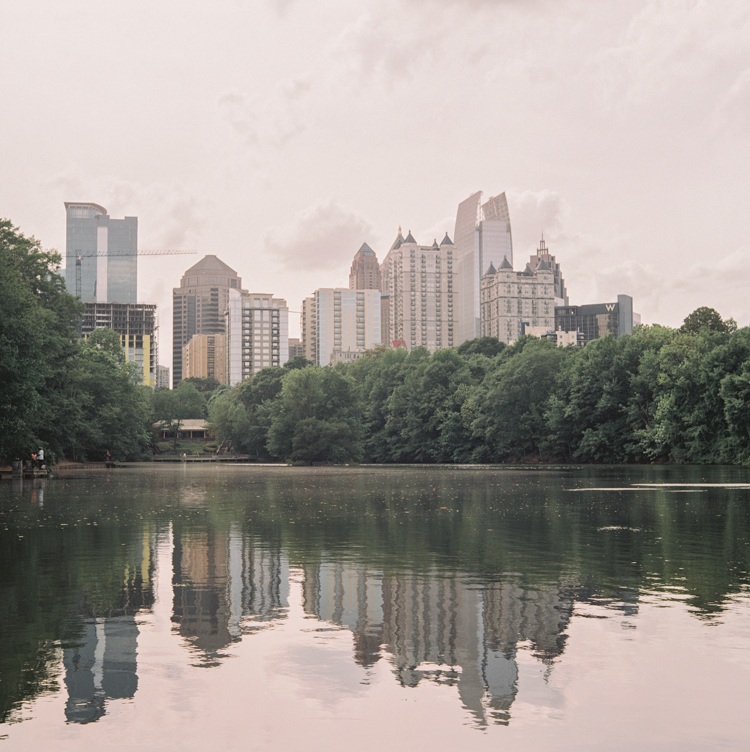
[227, 607]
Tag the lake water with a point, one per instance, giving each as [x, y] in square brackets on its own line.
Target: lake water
[255, 608]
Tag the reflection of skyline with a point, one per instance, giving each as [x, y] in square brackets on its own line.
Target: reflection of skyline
[224, 581]
[102, 664]
[440, 628]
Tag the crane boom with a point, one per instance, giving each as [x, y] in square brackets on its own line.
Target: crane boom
[91, 254]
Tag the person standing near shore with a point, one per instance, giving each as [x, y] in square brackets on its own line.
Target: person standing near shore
[40, 457]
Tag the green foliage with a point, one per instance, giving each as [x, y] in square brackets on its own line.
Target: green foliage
[316, 418]
[205, 386]
[707, 318]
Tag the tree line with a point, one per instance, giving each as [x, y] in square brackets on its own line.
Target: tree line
[659, 395]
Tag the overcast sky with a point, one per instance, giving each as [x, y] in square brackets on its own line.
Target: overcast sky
[281, 135]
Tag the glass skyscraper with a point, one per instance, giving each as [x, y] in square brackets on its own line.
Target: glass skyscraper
[482, 237]
[101, 255]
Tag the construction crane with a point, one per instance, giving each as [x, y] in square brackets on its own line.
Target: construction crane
[80, 255]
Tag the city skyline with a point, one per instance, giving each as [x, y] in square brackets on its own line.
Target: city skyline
[618, 131]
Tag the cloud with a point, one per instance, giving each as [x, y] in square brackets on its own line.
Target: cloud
[171, 216]
[271, 120]
[323, 236]
[734, 107]
[535, 212]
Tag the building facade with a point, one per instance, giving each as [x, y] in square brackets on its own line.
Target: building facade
[198, 305]
[136, 325]
[365, 272]
[595, 320]
[418, 283]
[101, 255]
[335, 320]
[543, 254]
[162, 377]
[513, 302]
[257, 334]
[483, 238]
[204, 357]
[296, 347]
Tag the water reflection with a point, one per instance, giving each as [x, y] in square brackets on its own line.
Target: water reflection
[445, 578]
[225, 585]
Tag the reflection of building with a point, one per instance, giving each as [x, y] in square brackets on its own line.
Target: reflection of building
[204, 357]
[223, 582]
[101, 665]
[257, 327]
[198, 305]
[418, 292]
[136, 325]
[101, 255]
[440, 628]
[482, 237]
[335, 320]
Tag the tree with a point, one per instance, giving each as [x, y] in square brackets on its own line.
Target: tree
[707, 318]
[316, 418]
[36, 345]
[205, 386]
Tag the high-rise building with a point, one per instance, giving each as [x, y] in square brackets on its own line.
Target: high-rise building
[543, 255]
[198, 305]
[419, 283]
[482, 237]
[162, 377]
[101, 255]
[336, 320]
[513, 302]
[365, 273]
[296, 347]
[257, 329]
[204, 357]
[136, 325]
[596, 320]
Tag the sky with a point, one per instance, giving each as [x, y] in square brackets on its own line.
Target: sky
[280, 135]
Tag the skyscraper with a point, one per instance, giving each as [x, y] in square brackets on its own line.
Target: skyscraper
[482, 237]
[365, 273]
[335, 320]
[418, 280]
[101, 255]
[198, 305]
[257, 327]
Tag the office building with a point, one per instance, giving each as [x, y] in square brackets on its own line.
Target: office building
[257, 329]
[595, 320]
[199, 304]
[483, 237]
[336, 320]
[418, 281]
[101, 255]
[136, 325]
[162, 377]
[296, 347]
[204, 357]
[513, 302]
[365, 272]
[543, 255]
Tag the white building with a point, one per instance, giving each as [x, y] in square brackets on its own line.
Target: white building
[257, 331]
[338, 319]
[482, 237]
[514, 303]
[419, 283]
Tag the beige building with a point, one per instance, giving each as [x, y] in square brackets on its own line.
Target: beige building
[257, 327]
[198, 305]
[204, 357]
[514, 302]
[365, 272]
[419, 283]
[335, 320]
